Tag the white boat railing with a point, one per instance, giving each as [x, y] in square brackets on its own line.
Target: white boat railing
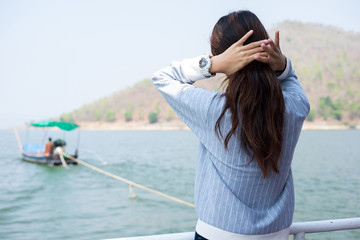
[298, 229]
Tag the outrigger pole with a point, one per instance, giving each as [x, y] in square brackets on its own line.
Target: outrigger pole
[18, 140]
[131, 183]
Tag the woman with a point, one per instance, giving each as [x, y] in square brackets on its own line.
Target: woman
[243, 185]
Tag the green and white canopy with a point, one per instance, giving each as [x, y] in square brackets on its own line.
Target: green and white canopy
[62, 125]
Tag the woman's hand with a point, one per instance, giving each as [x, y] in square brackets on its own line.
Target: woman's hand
[236, 56]
[272, 54]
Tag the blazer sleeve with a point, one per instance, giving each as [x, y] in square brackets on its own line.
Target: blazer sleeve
[190, 103]
[294, 95]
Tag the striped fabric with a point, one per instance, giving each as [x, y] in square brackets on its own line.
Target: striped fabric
[231, 193]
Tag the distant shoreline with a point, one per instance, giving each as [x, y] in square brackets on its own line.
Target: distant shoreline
[328, 126]
[179, 125]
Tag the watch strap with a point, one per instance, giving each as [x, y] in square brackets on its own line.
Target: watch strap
[205, 69]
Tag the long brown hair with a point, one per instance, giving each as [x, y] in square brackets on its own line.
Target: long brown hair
[253, 94]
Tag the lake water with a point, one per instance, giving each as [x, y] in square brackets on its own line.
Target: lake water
[42, 202]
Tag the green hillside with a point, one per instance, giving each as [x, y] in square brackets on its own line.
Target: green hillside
[327, 62]
[326, 59]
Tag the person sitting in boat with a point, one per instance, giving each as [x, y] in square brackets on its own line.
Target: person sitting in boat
[60, 143]
[59, 146]
[49, 149]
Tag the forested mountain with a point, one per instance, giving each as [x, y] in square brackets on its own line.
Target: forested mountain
[326, 59]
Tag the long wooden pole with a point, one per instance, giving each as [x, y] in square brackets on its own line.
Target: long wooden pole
[61, 155]
[131, 183]
[18, 140]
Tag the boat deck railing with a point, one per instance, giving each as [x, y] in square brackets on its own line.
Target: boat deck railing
[298, 229]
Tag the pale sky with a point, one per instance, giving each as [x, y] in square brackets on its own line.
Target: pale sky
[56, 56]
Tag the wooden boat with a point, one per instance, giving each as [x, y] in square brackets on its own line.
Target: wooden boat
[35, 152]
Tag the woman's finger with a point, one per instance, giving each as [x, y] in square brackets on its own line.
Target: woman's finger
[263, 54]
[277, 38]
[249, 59]
[244, 38]
[252, 58]
[268, 49]
[261, 57]
[253, 45]
[254, 50]
[273, 46]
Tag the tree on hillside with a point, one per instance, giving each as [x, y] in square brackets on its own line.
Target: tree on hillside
[311, 115]
[128, 115]
[67, 117]
[354, 110]
[328, 108]
[97, 115]
[110, 116]
[153, 117]
[170, 114]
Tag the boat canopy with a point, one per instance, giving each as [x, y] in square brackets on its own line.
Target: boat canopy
[62, 125]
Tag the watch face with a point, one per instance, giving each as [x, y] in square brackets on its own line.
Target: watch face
[203, 63]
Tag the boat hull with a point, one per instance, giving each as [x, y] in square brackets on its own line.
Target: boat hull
[53, 161]
[35, 153]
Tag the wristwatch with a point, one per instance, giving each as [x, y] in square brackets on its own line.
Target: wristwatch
[205, 65]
